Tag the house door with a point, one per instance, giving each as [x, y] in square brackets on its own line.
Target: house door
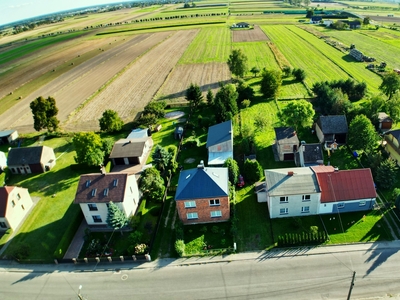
[288, 156]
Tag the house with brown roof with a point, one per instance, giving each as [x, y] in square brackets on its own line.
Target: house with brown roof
[293, 192]
[96, 191]
[15, 203]
[392, 144]
[385, 122]
[330, 129]
[131, 151]
[202, 195]
[27, 160]
[345, 190]
[286, 143]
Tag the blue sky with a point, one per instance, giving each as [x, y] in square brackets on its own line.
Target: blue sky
[15, 10]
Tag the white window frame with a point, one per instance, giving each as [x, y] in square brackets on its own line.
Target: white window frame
[284, 211]
[340, 205]
[304, 197]
[215, 214]
[215, 202]
[305, 209]
[286, 199]
[362, 203]
[190, 204]
[192, 216]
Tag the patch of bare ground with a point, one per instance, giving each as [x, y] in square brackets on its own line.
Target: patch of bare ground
[130, 92]
[20, 71]
[207, 76]
[249, 35]
[72, 88]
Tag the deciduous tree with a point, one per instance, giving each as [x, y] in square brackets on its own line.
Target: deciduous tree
[252, 170]
[116, 218]
[152, 184]
[362, 134]
[89, 148]
[255, 71]
[161, 158]
[110, 121]
[298, 114]
[44, 114]
[237, 62]
[270, 83]
[390, 84]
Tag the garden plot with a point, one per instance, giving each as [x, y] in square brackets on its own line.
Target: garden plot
[72, 88]
[207, 76]
[254, 35]
[129, 93]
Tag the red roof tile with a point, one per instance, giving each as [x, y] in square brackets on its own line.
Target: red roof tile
[4, 192]
[345, 185]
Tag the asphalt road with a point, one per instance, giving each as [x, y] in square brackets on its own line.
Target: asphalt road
[322, 276]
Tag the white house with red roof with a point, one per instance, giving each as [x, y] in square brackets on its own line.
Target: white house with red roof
[345, 190]
[15, 203]
[294, 192]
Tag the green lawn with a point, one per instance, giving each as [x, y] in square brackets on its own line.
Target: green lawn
[355, 227]
[281, 226]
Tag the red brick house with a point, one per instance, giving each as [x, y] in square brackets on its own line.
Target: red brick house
[202, 195]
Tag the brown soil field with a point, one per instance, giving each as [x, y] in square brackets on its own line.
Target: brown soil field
[130, 92]
[250, 35]
[207, 76]
[18, 72]
[72, 88]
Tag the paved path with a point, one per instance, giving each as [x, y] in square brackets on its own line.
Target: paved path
[12, 266]
[77, 242]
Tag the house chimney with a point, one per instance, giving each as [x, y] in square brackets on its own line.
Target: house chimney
[102, 170]
[201, 165]
[290, 173]
[336, 169]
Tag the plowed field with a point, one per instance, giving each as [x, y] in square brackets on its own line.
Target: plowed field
[249, 35]
[207, 76]
[130, 92]
[72, 88]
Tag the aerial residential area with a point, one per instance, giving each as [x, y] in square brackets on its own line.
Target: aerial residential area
[135, 132]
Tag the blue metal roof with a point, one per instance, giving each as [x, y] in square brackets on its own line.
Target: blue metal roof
[219, 133]
[202, 183]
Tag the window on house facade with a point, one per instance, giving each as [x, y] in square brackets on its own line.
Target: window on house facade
[214, 202]
[97, 219]
[12, 203]
[190, 204]
[340, 205]
[191, 216]
[18, 196]
[305, 209]
[23, 208]
[92, 207]
[306, 197]
[3, 225]
[283, 199]
[284, 211]
[216, 214]
[362, 203]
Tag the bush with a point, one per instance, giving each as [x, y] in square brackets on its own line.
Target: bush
[252, 170]
[215, 229]
[19, 251]
[180, 247]
[134, 221]
[140, 249]
[135, 237]
[246, 103]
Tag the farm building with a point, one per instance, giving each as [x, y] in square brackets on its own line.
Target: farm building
[331, 129]
[29, 160]
[240, 25]
[392, 145]
[385, 122]
[130, 151]
[315, 20]
[286, 143]
[8, 136]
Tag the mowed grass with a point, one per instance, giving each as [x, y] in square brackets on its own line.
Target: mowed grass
[353, 68]
[47, 222]
[212, 44]
[258, 55]
[36, 45]
[303, 55]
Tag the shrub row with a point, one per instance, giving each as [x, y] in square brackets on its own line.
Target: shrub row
[305, 238]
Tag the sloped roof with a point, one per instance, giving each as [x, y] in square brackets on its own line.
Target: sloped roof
[280, 183]
[312, 153]
[384, 117]
[6, 133]
[4, 192]
[345, 185]
[138, 134]
[395, 133]
[286, 135]
[316, 18]
[128, 148]
[219, 133]
[202, 183]
[218, 158]
[26, 155]
[115, 182]
[333, 124]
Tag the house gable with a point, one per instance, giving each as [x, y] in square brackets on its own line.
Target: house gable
[15, 203]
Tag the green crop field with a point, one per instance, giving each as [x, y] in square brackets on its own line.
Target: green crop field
[316, 65]
[369, 46]
[258, 55]
[344, 61]
[35, 46]
[210, 45]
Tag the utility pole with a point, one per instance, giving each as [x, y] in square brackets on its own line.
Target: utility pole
[351, 285]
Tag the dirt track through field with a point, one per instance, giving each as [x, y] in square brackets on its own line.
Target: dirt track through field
[130, 92]
[74, 87]
[249, 35]
[207, 76]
